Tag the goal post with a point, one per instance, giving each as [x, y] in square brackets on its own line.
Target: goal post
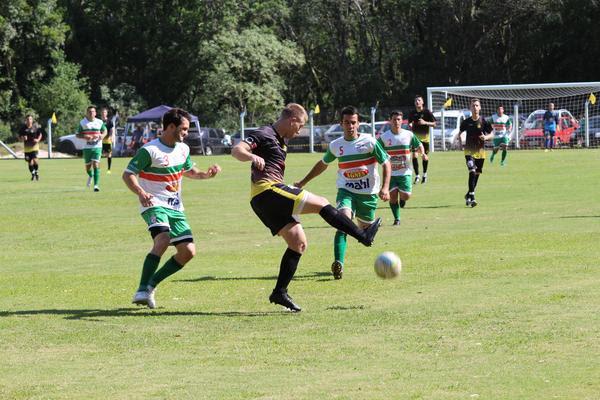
[575, 105]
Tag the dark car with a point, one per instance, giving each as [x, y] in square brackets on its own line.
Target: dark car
[214, 141]
[578, 136]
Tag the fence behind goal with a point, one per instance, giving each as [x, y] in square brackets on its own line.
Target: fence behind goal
[579, 114]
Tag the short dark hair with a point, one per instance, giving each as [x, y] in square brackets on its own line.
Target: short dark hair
[396, 112]
[90, 107]
[474, 99]
[418, 96]
[175, 116]
[349, 110]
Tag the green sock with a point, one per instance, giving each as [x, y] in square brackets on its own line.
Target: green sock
[149, 268]
[504, 154]
[168, 269]
[395, 210]
[96, 176]
[89, 172]
[339, 246]
[493, 155]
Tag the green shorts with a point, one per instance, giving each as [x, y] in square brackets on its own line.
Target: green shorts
[503, 140]
[161, 219]
[90, 155]
[363, 206]
[403, 183]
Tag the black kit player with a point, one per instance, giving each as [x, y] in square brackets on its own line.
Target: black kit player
[420, 120]
[108, 140]
[31, 135]
[478, 130]
[278, 205]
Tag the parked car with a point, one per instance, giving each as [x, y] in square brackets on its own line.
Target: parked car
[335, 131]
[215, 141]
[71, 144]
[578, 135]
[532, 134]
[383, 126]
[452, 121]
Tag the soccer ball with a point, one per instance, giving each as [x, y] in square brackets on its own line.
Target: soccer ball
[388, 265]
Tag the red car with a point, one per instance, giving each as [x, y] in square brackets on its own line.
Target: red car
[533, 129]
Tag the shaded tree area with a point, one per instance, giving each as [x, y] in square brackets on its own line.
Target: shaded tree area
[217, 57]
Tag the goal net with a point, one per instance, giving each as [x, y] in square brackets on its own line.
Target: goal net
[574, 104]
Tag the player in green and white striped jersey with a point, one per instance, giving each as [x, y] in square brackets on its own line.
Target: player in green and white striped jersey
[399, 143]
[358, 180]
[93, 131]
[155, 175]
[502, 125]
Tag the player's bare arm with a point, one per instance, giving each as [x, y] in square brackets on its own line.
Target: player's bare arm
[316, 170]
[196, 173]
[384, 193]
[132, 183]
[242, 152]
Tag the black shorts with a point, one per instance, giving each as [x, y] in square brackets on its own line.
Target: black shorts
[106, 147]
[474, 163]
[31, 155]
[275, 206]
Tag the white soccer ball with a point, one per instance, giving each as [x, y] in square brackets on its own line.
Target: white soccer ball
[388, 265]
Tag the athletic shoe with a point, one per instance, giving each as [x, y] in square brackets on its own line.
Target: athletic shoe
[37, 176]
[140, 298]
[402, 203]
[370, 232]
[32, 176]
[424, 179]
[108, 172]
[282, 298]
[473, 202]
[396, 222]
[467, 200]
[417, 179]
[89, 181]
[151, 302]
[96, 188]
[337, 269]
[502, 163]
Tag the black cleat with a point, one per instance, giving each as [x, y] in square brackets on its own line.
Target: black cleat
[337, 269]
[370, 232]
[467, 200]
[417, 179]
[283, 299]
[37, 176]
[32, 176]
[473, 201]
[424, 179]
[402, 203]
[396, 222]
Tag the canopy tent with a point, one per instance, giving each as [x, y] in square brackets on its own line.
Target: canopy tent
[151, 115]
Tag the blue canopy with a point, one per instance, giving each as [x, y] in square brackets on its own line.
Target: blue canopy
[154, 115]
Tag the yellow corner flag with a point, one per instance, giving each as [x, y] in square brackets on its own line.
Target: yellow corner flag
[448, 103]
[592, 98]
[53, 119]
[317, 109]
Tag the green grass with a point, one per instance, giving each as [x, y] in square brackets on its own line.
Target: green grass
[496, 302]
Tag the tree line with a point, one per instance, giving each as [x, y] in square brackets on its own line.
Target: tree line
[219, 57]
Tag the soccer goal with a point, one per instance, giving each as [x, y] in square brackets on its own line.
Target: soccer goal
[574, 104]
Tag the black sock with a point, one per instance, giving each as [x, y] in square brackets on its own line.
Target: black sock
[402, 203]
[472, 182]
[31, 168]
[109, 161]
[425, 164]
[287, 269]
[415, 162]
[475, 180]
[333, 217]
[36, 167]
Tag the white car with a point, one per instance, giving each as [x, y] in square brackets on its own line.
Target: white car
[336, 131]
[70, 144]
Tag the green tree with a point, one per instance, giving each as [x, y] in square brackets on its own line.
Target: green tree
[66, 95]
[247, 69]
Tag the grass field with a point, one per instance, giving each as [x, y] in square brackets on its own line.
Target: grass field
[501, 301]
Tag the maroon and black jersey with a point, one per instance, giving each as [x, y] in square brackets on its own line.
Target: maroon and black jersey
[415, 116]
[265, 142]
[474, 130]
